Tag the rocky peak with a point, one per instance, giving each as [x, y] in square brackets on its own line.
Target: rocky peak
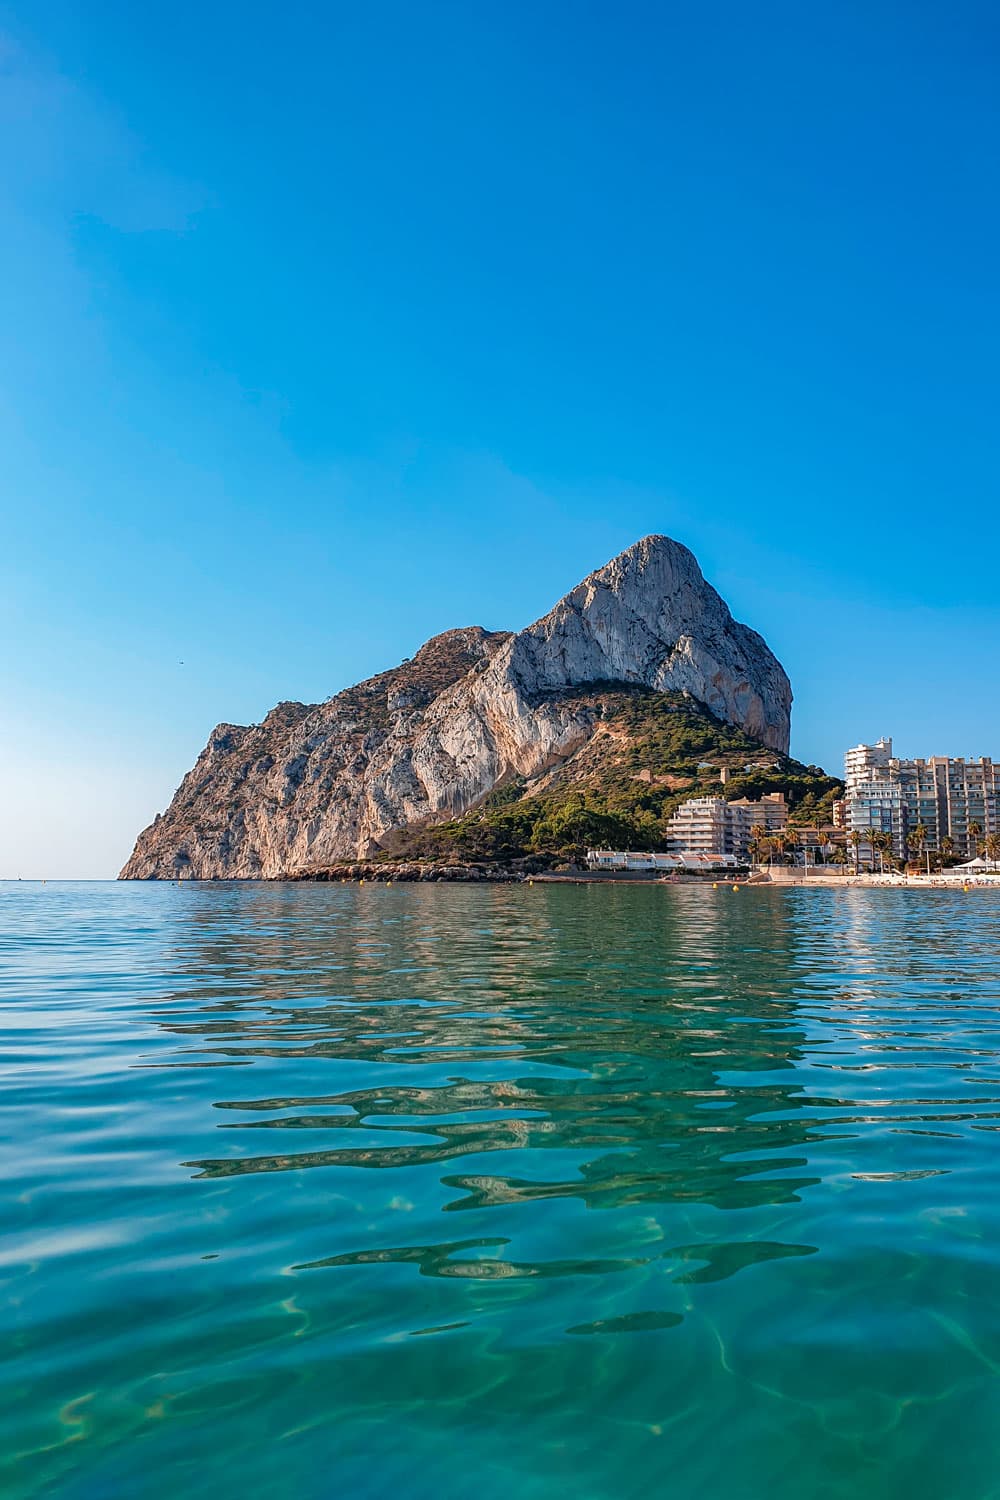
[650, 617]
[473, 708]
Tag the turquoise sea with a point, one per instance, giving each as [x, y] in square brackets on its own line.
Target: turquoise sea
[458, 1191]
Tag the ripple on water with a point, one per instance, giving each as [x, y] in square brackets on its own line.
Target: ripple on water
[558, 1190]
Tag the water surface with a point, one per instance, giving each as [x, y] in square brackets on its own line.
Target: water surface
[457, 1192]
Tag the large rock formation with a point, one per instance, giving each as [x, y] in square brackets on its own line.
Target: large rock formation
[314, 784]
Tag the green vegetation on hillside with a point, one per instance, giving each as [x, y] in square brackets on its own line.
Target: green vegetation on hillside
[649, 752]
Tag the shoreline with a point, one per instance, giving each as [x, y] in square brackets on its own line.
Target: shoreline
[457, 875]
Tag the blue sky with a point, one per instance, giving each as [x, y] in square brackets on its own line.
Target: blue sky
[325, 328]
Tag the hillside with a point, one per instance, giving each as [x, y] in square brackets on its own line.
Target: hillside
[648, 753]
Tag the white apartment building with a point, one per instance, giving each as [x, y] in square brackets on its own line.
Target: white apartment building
[944, 795]
[701, 826]
[867, 758]
[711, 825]
[877, 807]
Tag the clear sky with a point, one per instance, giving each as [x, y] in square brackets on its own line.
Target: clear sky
[327, 327]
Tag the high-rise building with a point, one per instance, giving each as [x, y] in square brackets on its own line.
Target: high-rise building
[864, 758]
[945, 796]
[877, 807]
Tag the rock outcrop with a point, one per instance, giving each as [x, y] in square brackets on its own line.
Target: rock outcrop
[315, 784]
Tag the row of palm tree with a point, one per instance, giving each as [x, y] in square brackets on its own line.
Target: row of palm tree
[988, 846]
[786, 840]
[880, 842]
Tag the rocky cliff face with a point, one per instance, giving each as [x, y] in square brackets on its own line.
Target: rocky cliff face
[316, 783]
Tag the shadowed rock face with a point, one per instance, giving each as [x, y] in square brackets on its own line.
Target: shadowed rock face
[316, 783]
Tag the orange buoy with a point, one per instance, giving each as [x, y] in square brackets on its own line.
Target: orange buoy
[735, 887]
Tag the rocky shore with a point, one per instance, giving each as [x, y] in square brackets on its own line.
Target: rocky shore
[409, 871]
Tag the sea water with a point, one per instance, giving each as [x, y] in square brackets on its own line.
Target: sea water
[499, 1191]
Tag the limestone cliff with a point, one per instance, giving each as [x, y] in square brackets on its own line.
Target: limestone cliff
[425, 741]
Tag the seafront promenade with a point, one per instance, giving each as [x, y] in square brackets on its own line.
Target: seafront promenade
[820, 880]
[941, 880]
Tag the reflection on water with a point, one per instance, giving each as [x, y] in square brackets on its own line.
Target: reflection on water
[479, 1189]
[531, 1034]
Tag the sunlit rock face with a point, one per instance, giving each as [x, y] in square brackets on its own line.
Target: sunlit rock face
[425, 741]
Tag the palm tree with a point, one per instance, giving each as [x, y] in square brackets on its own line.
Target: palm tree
[975, 832]
[895, 859]
[947, 847]
[791, 842]
[916, 841]
[758, 834]
[839, 855]
[882, 842]
[993, 847]
[856, 838]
